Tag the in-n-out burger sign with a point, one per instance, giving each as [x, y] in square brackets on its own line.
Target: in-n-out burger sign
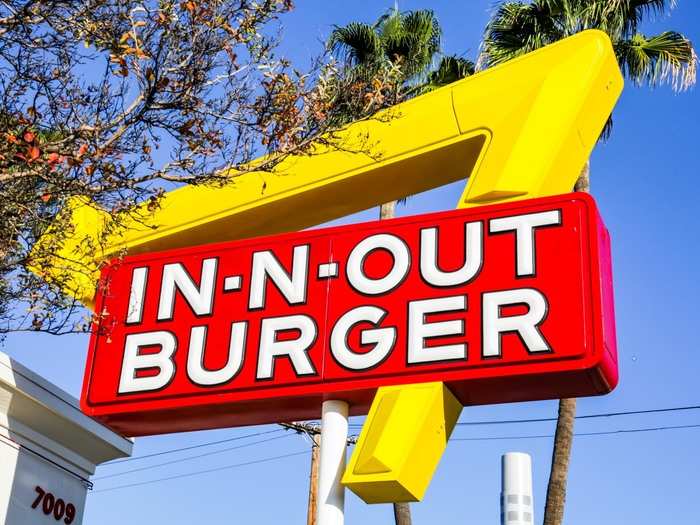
[503, 303]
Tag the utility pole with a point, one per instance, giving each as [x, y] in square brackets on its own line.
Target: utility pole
[314, 432]
[313, 480]
[402, 511]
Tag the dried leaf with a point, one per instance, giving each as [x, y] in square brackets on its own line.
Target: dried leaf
[33, 153]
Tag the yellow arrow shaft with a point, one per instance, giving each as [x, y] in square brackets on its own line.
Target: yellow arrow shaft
[542, 153]
[518, 130]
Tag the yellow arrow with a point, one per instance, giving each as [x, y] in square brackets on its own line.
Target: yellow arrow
[401, 443]
[565, 92]
[521, 129]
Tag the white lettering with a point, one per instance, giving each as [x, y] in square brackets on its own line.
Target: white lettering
[195, 358]
[133, 362]
[295, 349]
[355, 265]
[524, 228]
[473, 257]
[525, 325]
[383, 339]
[138, 290]
[200, 299]
[419, 330]
[293, 287]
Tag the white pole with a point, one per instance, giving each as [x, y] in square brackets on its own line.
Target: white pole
[334, 435]
[516, 491]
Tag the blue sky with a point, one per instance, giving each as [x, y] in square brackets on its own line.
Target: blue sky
[644, 180]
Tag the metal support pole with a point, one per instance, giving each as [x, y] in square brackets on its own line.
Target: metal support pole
[334, 435]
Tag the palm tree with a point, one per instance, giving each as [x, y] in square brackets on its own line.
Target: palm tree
[517, 28]
[405, 43]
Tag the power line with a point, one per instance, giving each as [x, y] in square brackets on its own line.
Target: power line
[298, 427]
[484, 438]
[171, 451]
[312, 429]
[180, 460]
[199, 472]
[586, 416]
[602, 433]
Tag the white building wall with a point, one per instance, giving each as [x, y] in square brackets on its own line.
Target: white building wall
[49, 447]
[28, 471]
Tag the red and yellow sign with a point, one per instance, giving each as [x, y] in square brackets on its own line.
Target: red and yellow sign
[502, 303]
[517, 131]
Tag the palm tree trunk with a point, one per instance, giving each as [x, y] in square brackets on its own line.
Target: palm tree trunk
[402, 514]
[563, 440]
[584, 179]
[402, 511]
[387, 210]
[564, 435]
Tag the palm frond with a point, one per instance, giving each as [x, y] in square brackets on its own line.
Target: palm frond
[620, 18]
[607, 130]
[652, 7]
[424, 24]
[388, 23]
[410, 40]
[451, 69]
[667, 58]
[566, 14]
[356, 43]
[518, 28]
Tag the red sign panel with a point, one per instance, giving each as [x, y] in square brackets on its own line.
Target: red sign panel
[510, 302]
